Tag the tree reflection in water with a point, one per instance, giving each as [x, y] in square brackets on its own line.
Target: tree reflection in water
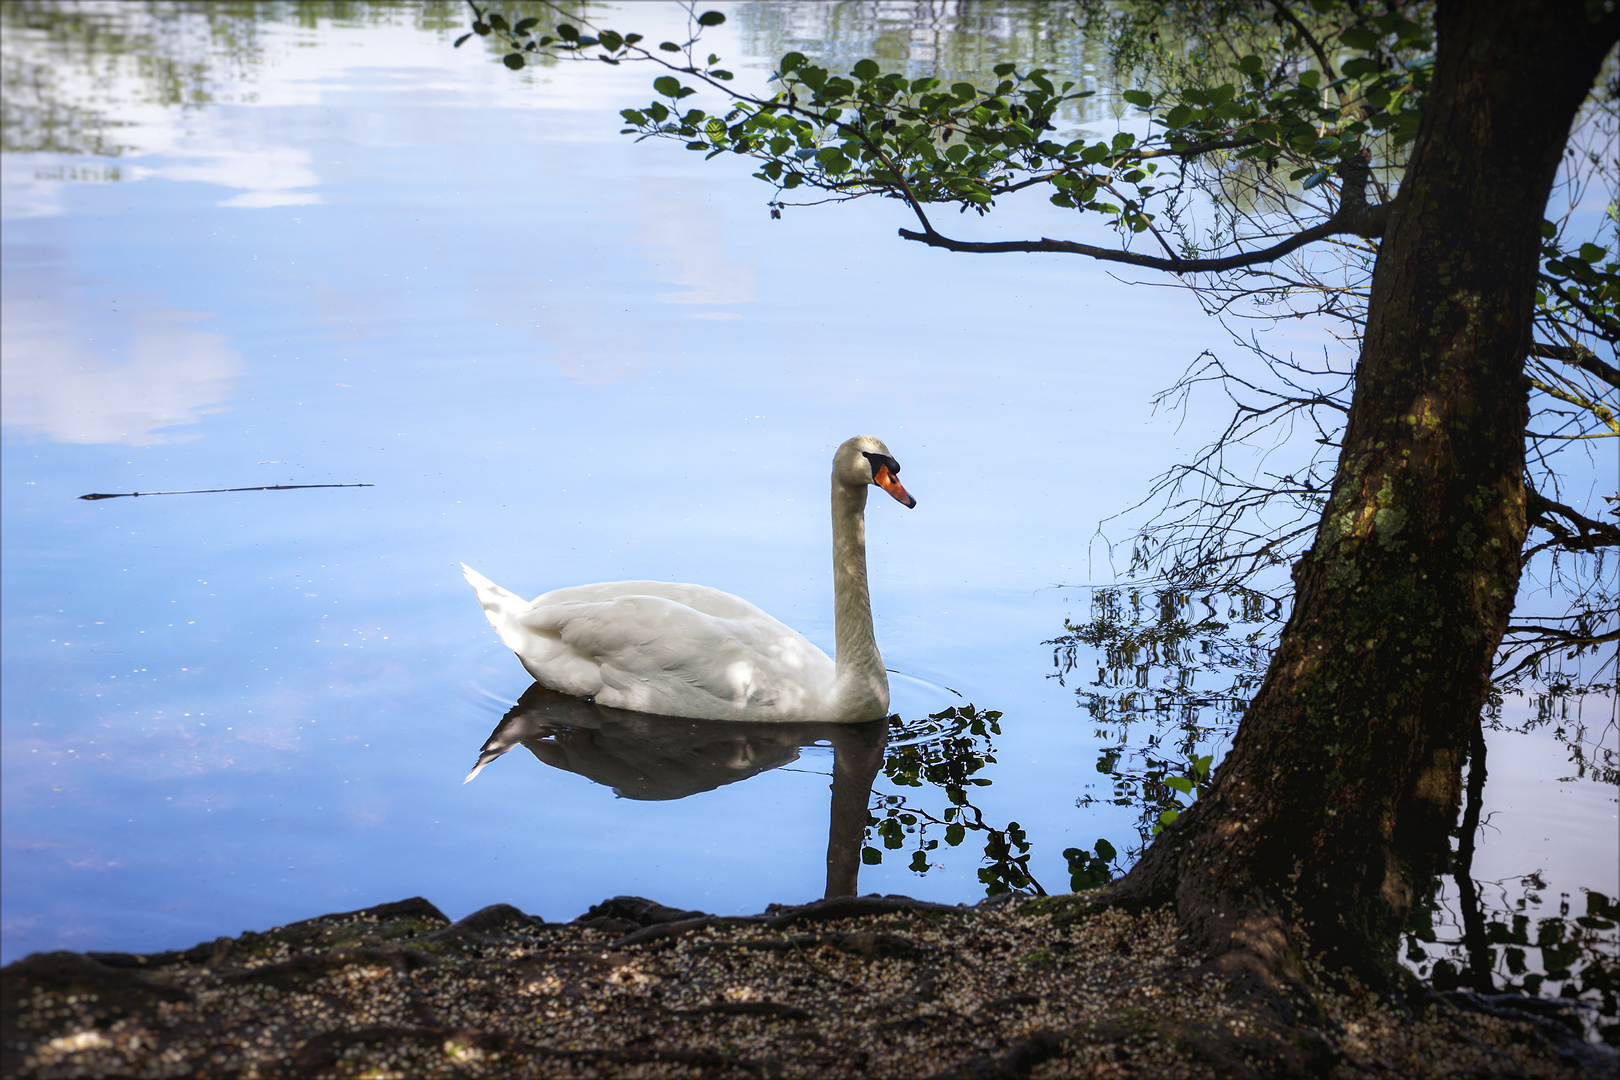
[1174, 672]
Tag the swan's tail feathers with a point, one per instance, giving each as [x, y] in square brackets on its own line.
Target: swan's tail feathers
[494, 748]
[492, 596]
[483, 759]
[501, 607]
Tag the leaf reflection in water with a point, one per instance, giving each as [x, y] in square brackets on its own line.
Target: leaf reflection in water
[948, 752]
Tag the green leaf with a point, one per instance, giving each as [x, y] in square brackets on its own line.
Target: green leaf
[954, 834]
[513, 60]
[1359, 37]
[1180, 783]
[793, 61]
[1178, 116]
[871, 856]
[1123, 141]
[567, 32]
[667, 85]
[1139, 98]
[669, 46]
[1310, 78]
[499, 23]
[1359, 67]
[1105, 851]
[1592, 253]
[964, 91]
[1168, 817]
[525, 25]
[711, 18]
[1250, 65]
[833, 160]
[460, 39]
[865, 70]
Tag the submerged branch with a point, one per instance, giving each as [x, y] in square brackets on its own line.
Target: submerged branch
[210, 491]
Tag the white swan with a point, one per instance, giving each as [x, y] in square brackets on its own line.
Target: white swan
[688, 650]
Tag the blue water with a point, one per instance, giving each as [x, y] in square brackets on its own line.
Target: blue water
[560, 357]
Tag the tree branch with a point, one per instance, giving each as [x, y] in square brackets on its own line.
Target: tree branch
[1588, 534]
[1316, 47]
[1355, 215]
[1579, 356]
[1605, 325]
[1175, 266]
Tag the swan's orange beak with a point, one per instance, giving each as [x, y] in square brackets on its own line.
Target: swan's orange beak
[888, 482]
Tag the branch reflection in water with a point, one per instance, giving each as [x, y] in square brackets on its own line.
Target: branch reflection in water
[657, 758]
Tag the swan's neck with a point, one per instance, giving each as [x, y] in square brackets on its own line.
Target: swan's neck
[862, 691]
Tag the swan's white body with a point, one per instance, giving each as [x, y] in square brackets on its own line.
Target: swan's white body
[689, 650]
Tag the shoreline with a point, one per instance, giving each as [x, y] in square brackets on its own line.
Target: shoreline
[867, 986]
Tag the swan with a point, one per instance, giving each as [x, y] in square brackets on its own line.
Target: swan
[693, 651]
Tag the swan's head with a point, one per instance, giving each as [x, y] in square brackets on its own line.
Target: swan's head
[864, 460]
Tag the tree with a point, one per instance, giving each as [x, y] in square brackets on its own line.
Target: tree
[1334, 807]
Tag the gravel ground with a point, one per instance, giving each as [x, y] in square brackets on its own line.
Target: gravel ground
[871, 986]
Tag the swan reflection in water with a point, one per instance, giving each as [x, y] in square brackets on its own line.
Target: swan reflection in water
[645, 756]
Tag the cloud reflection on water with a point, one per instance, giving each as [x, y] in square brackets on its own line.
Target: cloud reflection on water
[75, 374]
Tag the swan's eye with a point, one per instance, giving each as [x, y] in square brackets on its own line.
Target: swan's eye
[881, 461]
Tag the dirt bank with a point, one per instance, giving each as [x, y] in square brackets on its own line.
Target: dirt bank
[854, 987]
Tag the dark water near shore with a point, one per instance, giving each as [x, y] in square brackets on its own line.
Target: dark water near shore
[317, 245]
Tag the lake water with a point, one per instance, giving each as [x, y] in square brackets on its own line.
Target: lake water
[323, 247]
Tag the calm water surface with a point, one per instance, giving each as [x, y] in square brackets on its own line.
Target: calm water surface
[339, 251]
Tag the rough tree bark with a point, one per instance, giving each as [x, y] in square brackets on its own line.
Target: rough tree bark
[1332, 811]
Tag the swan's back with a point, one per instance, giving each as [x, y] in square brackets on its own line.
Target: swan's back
[661, 647]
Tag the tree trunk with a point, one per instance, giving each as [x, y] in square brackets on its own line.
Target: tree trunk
[1332, 811]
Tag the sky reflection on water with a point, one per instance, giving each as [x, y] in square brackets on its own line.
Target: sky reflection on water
[560, 357]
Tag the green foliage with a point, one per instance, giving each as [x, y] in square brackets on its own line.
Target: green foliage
[868, 131]
[1580, 285]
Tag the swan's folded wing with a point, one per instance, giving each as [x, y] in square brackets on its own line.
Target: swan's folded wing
[702, 598]
[657, 654]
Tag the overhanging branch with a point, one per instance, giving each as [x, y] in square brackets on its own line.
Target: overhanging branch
[1581, 357]
[1331, 227]
[1355, 216]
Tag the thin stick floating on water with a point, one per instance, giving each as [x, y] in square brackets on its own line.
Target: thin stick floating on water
[210, 491]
